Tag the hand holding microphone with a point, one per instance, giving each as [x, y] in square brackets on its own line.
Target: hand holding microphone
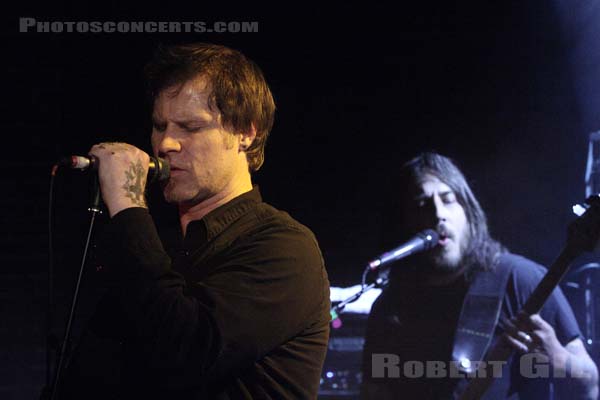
[158, 168]
[122, 173]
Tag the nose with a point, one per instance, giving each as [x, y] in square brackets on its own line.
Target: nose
[165, 142]
[441, 212]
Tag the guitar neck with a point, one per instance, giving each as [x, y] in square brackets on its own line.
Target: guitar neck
[555, 273]
[584, 234]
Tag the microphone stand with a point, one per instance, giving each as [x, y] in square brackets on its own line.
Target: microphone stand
[335, 311]
[95, 209]
[424, 240]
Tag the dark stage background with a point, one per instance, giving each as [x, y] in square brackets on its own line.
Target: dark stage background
[509, 90]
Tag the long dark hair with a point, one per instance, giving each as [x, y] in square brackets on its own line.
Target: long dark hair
[483, 251]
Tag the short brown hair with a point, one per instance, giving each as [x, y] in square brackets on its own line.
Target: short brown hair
[238, 87]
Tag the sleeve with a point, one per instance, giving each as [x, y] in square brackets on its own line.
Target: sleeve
[560, 315]
[191, 329]
[556, 311]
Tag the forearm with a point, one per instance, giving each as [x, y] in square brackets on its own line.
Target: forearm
[577, 377]
[171, 326]
[584, 375]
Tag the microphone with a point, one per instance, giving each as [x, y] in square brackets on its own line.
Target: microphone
[158, 168]
[422, 241]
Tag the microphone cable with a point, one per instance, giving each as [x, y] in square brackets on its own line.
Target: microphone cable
[50, 339]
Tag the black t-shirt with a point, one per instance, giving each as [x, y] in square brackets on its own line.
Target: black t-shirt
[417, 323]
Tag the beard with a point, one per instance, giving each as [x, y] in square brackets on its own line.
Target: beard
[442, 262]
[445, 259]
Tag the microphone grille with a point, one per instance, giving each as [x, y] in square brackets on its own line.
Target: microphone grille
[430, 237]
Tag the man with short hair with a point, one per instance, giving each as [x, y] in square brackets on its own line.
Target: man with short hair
[240, 308]
[412, 334]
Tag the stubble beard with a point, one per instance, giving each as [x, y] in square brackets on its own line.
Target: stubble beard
[170, 192]
[177, 193]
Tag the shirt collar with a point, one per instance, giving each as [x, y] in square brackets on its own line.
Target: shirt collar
[216, 221]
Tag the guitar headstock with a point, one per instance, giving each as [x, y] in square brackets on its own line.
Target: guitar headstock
[584, 232]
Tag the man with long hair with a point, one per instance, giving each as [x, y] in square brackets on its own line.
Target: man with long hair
[414, 322]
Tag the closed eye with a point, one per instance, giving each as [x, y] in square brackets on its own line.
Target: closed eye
[159, 128]
[192, 125]
[421, 202]
[192, 129]
[448, 198]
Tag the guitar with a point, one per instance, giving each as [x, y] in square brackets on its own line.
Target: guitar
[583, 235]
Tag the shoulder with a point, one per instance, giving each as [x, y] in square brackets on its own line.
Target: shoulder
[524, 271]
[273, 236]
[267, 222]
[269, 215]
[525, 277]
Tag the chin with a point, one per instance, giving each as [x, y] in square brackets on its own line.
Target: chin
[446, 263]
[184, 196]
[445, 267]
[174, 197]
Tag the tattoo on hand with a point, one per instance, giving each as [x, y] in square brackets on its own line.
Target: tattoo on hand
[135, 183]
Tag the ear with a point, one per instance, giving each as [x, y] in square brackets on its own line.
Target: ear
[247, 138]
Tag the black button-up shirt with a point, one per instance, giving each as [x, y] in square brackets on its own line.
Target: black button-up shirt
[239, 310]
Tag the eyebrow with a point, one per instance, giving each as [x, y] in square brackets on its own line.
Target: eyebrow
[183, 122]
[156, 119]
[444, 193]
[195, 121]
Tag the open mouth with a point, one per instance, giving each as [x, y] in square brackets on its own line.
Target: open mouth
[443, 238]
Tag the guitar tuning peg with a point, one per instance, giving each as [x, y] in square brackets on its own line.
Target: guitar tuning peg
[579, 209]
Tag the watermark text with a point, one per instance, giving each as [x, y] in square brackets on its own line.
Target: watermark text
[28, 25]
[531, 365]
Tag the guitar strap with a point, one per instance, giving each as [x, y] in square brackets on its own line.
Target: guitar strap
[479, 315]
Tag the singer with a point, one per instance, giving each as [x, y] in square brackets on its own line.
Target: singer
[467, 280]
[238, 308]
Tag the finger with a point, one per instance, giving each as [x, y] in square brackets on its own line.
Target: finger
[525, 338]
[508, 325]
[522, 317]
[97, 150]
[518, 330]
[518, 334]
[539, 323]
[516, 344]
[524, 322]
[106, 146]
